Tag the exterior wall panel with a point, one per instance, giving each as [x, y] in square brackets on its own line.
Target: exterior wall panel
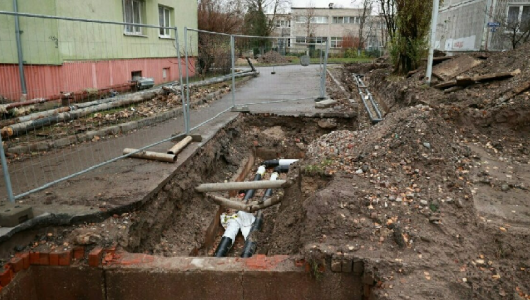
[45, 81]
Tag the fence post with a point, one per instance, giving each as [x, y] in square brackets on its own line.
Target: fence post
[6, 172]
[183, 95]
[323, 76]
[232, 54]
[187, 122]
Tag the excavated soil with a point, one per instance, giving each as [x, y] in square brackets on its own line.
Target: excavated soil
[436, 196]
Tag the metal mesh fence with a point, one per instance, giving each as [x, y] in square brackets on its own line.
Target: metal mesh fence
[82, 91]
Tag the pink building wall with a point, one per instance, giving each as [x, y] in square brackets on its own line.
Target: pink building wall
[43, 81]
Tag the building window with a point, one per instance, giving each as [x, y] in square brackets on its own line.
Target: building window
[336, 42]
[164, 14]
[319, 20]
[133, 11]
[301, 19]
[519, 17]
[300, 39]
[338, 20]
[345, 20]
[283, 23]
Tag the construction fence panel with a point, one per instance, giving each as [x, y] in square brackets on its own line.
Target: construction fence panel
[288, 71]
[85, 95]
[209, 95]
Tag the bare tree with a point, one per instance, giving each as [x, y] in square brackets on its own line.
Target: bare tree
[366, 12]
[276, 7]
[217, 16]
[514, 27]
[389, 13]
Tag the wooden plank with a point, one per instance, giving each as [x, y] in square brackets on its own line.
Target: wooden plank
[445, 85]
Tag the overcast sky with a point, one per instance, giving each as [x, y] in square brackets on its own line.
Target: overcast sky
[325, 3]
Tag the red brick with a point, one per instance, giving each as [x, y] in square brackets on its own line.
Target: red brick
[95, 256]
[16, 264]
[79, 252]
[44, 258]
[25, 258]
[111, 249]
[34, 258]
[54, 258]
[65, 257]
[5, 277]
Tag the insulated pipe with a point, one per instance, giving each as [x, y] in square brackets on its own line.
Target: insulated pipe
[231, 231]
[246, 185]
[232, 228]
[248, 208]
[281, 169]
[251, 242]
[150, 155]
[180, 145]
[278, 162]
[250, 193]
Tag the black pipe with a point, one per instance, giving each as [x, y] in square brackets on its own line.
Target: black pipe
[223, 247]
[251, 244]
[278, 162]
[226, 242]
[281, 169]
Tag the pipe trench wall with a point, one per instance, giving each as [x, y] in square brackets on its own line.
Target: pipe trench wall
[177, 203]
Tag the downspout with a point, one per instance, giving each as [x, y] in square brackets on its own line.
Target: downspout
[19, 51]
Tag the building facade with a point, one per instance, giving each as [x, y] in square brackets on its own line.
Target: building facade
[68, 56]
[474, 25]
[308, 25]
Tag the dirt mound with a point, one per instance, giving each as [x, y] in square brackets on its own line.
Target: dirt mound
[399, 196]
[273, 57]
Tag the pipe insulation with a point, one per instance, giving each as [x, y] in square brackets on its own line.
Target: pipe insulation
[278, 162]
[150, 155]
[250, 193]
[251, 243]
[243, 219]
[245, 185]
[180, 145]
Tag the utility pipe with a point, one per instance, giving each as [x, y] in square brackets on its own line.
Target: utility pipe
[250, 193]
[249, 207]
[434, 23]
[19, 50]
[251, 242]
[231, 230]
[278, 162]
[180, 145]
[150, 155]
[246, 185]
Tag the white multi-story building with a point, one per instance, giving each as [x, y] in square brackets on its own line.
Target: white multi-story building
[473, 25]
[309, 25]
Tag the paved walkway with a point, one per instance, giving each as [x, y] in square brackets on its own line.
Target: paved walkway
[112, 183]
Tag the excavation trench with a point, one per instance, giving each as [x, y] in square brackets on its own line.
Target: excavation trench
[168, 250]
[182, 222]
